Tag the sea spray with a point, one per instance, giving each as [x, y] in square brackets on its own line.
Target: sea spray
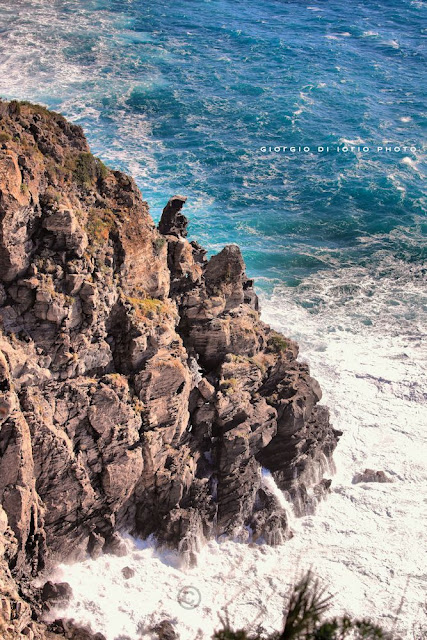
[269, 482]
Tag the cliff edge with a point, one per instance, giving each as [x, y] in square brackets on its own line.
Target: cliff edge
[139, 389]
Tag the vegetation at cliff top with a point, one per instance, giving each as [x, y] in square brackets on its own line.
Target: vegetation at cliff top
[16, 107]
[304, 620]
[80, 165]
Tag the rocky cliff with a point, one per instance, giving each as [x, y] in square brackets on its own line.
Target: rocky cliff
[139, 389]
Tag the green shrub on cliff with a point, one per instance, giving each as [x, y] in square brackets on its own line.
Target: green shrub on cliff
[277, 342]
[88, 169]
[5, 137]
[158, 244]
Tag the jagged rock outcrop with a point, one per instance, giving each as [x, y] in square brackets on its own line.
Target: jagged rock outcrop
[369, 475]
[139, 388]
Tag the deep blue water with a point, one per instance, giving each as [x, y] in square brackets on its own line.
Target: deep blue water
[184, 95]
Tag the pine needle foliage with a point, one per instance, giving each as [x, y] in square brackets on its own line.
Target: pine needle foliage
[307, 606]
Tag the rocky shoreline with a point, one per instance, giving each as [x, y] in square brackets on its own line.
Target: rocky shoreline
[139, 389]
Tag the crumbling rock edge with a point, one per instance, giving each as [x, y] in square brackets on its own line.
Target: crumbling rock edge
[139, 389]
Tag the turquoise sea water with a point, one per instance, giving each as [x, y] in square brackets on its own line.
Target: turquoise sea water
[185, 95]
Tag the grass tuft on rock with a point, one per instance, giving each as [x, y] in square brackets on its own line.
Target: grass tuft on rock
[148, 308]
[277, 342]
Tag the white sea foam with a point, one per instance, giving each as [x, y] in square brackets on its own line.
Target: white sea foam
[356, 142]
[246, 228]
[391, 43]
[337, 36]
[306, 102]
[410, 162]
[396, 183]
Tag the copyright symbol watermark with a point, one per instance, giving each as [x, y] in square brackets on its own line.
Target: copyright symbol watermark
[189, 597]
